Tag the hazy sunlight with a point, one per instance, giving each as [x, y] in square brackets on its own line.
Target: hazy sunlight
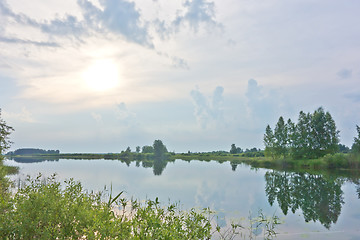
[102, 75]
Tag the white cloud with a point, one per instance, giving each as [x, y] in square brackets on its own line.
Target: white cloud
[23, 116]
[208, 111]
[198, 12]
[125, 116]
[97, 117]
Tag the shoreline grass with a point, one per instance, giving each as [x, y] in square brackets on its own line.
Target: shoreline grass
[338, 161]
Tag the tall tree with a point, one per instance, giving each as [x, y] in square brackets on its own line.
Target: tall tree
[291, 134]
[233, 149]
[137, 149]
[5, 131]
[281, 138]
[318, 133]
[269, 142]
[301, 138]
[159, 149]
[356, 145]
[324, 135]
[332, 135]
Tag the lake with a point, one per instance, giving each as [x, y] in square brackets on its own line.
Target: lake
[310, 206]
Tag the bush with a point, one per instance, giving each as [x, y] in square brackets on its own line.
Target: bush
[43, 209]
[337, 160]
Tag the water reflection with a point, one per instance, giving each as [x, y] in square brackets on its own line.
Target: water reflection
[33, 160]
[158, 164]
[320, 199]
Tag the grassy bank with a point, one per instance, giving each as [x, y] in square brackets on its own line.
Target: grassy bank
[339, 161]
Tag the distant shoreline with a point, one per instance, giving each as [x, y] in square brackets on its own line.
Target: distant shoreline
[338, 161]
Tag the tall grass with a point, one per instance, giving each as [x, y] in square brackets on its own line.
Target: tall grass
[44, 209]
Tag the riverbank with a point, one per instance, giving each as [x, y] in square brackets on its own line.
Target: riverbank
[338, 161]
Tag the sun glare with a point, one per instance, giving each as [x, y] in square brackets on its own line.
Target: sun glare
[103, 75]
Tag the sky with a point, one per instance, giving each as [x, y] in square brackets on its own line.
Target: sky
[102, 75]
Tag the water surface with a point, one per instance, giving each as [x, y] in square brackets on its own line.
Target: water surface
[310, 206]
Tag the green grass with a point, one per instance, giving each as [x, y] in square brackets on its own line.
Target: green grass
[338, 161]
[45, 209]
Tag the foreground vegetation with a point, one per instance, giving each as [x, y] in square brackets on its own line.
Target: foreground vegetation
[45, 209]
[42, 209]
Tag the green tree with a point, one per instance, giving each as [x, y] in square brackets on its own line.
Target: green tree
[159, 149]
[281, 138]
[269, 142]
[137, 149]
[147, 149]
[356, 145]
[343, 148]
[291, 135]
[312, 137]
[324, 135]
[301, 138]
[5, 131]
[332, 135]
[233, 149]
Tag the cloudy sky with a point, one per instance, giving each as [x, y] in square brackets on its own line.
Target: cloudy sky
[101, 75]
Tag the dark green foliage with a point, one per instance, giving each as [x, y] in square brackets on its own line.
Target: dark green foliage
[159, 149]
[137, 149]
[356, 145]
[281, 138]
[269, 142]
[147, 149]
[252, 153]
[314, 136]
[337, 161]
[343, 148]
[33, 151]
[5, 131]
[252, 150]
[301, 141]
[235, 150]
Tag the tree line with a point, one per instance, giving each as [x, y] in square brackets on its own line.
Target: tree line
[313, 136]
[158, 149]
[32, 151]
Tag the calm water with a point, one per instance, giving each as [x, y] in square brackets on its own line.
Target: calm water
[310, 206]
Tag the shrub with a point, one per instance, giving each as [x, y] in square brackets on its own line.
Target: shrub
[43, 209]
[337, 160]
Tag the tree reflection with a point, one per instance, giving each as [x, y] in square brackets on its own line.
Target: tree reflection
[159, 165]
[34, 160]
[319, 199]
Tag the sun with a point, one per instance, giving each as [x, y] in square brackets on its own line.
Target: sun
[102, 75]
